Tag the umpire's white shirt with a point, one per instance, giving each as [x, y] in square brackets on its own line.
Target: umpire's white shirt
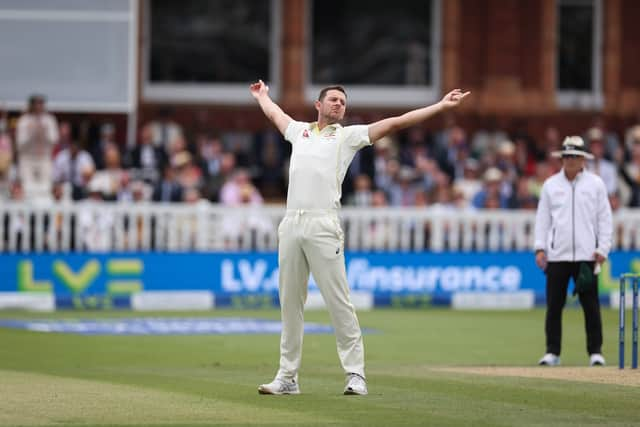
[319, 162]
[573, 220]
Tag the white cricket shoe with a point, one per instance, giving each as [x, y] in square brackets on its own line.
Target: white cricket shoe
[549, 359]
[356, 385]
[280, 386]
[596, 359]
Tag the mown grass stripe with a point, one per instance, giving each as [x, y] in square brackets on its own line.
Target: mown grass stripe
[33, 399]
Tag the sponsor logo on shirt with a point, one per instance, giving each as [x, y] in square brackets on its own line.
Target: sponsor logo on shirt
[305, 134]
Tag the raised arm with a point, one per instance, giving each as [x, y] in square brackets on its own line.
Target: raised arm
[390, 125]
[260, 92]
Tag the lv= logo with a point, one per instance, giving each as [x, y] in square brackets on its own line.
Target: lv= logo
[81, 279]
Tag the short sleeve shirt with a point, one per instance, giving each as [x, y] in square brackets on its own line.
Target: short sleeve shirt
[319, 162]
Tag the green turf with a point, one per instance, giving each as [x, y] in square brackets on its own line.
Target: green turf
[61, 379]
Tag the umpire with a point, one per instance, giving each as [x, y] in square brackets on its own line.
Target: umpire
[572, 239]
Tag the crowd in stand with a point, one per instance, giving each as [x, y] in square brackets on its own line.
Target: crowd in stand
[42, 159]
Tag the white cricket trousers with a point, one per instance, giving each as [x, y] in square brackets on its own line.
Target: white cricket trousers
[313, 241]
[36, 177]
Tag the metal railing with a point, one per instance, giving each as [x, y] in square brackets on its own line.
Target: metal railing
[114, 227]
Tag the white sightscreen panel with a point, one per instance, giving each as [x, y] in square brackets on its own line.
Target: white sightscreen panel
[81, 60]
[71, 62]
[66, 5]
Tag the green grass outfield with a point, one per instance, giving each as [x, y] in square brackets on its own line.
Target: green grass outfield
[62, 379]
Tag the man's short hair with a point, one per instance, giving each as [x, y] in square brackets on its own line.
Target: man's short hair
[35, 99]
[324, 91]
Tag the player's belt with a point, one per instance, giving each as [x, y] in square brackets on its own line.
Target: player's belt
[311, 212]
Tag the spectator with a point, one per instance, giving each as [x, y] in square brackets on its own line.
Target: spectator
[227, 169]
[98, 149]
[386, 178]
[426, 169]
[451, 160]
[239, 190]
[415, 145]
[441, 137]
[379, 232]
[125, 193]
[146, 159]
[602, 167]
[74, 165]
[384, 151]
[209, 154]
[422, 199]
[65, 135]
[491, 194]
[543, 147]
[379, 199]
[523, 198]
[362, 163]
[441, 193]
[403, 191]
[177, 145]
[631, 175]
[20, 222]
[506, 160]
[239, 141]
[36, 135]
[164, 130]
[61, 191]
[459, 198]
[543, 171]
[110, 179]
[140, 191]
[524, 157]
[133, 191]
[363, 194]
[187, 173]
[614, 201]
[209, 159]
[95, 222]
[17, 191]
[469, 184]
[7, 170]
[632, 136]
[271, 169]
[54, 223]
[168, 189]
[487, 139]
[610, 139]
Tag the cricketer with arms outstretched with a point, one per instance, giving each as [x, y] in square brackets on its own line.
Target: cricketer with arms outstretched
[310, 236]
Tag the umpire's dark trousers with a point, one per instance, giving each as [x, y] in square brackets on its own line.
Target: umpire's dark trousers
[558, 274]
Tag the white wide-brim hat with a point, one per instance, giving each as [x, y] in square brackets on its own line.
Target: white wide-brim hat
[573, 146]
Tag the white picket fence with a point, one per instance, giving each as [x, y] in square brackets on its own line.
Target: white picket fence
[113, 227]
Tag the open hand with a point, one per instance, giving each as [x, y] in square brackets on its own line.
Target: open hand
[258, 88]
[453, 98]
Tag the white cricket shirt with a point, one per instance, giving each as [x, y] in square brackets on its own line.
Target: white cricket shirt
[319, 162]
